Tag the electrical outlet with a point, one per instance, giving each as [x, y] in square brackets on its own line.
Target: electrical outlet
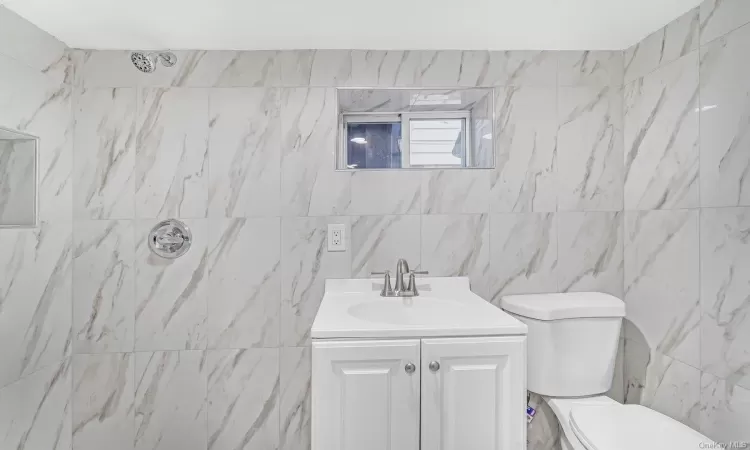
[336, 237]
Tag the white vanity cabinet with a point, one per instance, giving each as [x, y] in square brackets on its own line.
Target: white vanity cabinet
[457, 393]
[365, 395]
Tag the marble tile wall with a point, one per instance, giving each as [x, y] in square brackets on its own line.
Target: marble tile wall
[36, 270]
[240, 146]
[686, 220]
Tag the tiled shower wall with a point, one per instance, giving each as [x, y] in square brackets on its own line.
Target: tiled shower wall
[212, 349]
[36, 264]
[687, 220]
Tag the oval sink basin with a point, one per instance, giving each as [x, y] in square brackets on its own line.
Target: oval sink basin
[407, 311]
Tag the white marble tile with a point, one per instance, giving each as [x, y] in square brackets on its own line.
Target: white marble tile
[309, 184]
[458, 245]
[297, 67]
[725, 120]
[662, 281]
[40, 104]
[170, 400]
[385, 68]
[523, 254]
[725, 275]
[295, 405]
[35, 298]
[244, 270]
[590, 149]
[194, 68]
[719, 17]
[244, 153]
[26, 90]
[305, 265]
[104, 155]
[661, 138]
[106, 69]
[103, 396]
[27, 93]
[243, 399]
[171, 294]
[482, 149]
[525, 132]
[386, 192]
[378, 242]
[590, 68]
[676, 39]
[24, 41]
[225, 68]
[456, 191]
[35, 411]
[329, 68]
[445, 68]
[662, 384]
[725, 410]
[171, 155]
[18, 182]
[52, 122]
[520, 68]
[590, 252]
[103, 286]
[377, 99]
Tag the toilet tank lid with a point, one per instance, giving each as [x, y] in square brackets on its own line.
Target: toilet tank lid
[564, 306]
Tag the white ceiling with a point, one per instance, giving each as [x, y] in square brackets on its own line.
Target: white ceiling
[351, 24]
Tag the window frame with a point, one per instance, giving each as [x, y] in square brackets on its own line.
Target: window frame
[403, 117]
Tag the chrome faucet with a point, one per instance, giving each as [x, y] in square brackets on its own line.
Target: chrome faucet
[402, 268]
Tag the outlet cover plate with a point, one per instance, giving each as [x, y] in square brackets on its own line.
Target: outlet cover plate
[336, 237]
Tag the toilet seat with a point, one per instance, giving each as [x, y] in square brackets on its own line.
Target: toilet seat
[628, 427]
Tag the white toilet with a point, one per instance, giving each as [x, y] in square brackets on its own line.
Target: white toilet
[572, 345]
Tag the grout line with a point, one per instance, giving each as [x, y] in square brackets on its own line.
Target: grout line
[712, 41]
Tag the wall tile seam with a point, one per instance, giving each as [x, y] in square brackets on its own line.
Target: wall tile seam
[698, 49]
[34, 68]
[343, 86]
[702, 370]
[34, 372]
[211, 349]
[722, 36]
[640, 78]
[698, 179]
[695, 10]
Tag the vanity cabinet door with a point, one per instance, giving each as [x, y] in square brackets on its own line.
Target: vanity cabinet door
[365, 395]
[474, 393]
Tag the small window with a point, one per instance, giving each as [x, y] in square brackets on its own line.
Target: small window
[415, 128]
[407, 140]
[373, 142]
[437, 142]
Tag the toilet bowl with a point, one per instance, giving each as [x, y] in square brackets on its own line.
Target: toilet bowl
[600, 423]
[571, 347]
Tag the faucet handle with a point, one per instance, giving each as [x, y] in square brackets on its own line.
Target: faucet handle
[412, 286]
[387, 290]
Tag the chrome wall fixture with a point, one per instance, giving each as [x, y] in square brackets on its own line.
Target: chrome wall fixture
[170, 239]
[146, 62]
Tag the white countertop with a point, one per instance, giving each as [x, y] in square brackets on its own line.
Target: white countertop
[445, 307]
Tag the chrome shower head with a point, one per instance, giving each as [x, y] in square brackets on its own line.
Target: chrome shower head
[146, 62]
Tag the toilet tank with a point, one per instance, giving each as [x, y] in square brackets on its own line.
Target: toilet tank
[572, 340]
